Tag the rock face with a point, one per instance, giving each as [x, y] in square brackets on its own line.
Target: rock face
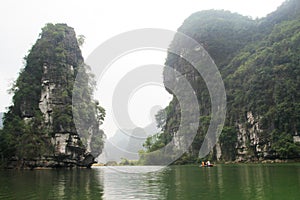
[258, 64]
[43, 106]
[1, 120]
[249, 137]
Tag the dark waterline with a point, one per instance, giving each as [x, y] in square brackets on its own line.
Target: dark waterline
[276, 181]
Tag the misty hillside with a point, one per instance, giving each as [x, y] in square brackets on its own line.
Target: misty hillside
[259, 61]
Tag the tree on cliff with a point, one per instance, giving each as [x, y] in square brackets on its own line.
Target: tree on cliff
[42, 114]
[259, 64]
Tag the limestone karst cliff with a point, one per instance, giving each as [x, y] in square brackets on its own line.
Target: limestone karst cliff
[259, 64]
[40, 129]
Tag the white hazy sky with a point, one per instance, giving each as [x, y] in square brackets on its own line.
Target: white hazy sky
[99, 20]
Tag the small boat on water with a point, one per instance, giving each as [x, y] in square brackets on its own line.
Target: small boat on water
[206, 164]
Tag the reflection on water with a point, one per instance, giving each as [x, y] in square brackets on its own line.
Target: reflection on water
[51, 184]
[234, 182]
[175, 182]
[123, 185]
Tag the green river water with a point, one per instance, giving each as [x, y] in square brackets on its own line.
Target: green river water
[251, 181]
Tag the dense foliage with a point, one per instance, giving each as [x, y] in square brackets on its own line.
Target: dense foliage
[259, 63]
[48, 77]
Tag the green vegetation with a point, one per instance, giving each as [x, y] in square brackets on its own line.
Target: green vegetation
[42, 99]
[259, 64]
[125, 161]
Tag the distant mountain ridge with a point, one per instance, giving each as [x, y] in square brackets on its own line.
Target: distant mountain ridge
[126, 144]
